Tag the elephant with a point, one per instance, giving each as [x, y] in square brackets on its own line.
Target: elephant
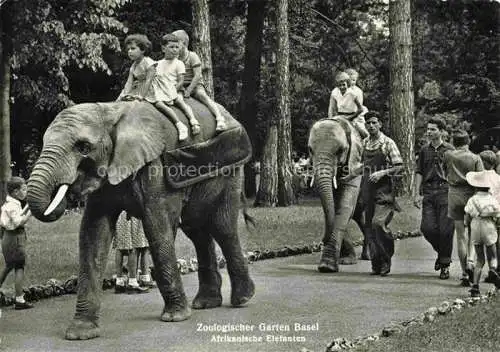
[335, 149]
[114, 155]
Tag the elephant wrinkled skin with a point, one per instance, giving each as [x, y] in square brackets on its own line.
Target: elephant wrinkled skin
[111, 153]
[335, 149]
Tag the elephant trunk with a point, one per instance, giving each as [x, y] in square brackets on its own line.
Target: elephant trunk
[325, 173]
[48, 184]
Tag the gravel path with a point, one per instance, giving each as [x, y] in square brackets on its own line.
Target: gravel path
[289, 291]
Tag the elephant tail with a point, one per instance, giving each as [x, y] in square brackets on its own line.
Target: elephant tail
[247, 217]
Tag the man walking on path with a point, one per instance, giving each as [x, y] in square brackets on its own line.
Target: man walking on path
[430, 179]
[458, 163]
[381, 161]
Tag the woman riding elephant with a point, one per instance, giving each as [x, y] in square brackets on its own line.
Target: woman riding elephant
[115, 154]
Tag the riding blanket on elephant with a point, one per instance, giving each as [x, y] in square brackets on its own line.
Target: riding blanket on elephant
[207, 154]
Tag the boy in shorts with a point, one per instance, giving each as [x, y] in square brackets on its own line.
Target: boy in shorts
[482, 215]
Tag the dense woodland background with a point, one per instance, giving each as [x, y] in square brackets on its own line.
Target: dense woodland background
[66, 51]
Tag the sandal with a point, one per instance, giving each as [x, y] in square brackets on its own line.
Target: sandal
[195, 127]
[221, 125]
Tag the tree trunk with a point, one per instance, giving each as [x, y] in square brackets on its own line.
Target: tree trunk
[286, 195]
[251, 80]
[5, 55]
[201, 41]
[267, 196]
[401, 100]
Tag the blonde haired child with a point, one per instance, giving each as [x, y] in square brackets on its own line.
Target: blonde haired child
[165, 84]
[193, 82]
[344, 101]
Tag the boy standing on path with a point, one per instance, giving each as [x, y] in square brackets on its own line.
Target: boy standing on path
[482, 215]
[458, 163]
[13, 218]
[430, 179]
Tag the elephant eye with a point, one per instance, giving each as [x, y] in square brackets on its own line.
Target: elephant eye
[83, 148]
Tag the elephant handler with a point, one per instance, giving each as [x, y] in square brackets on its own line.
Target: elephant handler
[381, 161]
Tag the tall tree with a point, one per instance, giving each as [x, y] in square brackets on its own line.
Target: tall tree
[201, 41]
[5, 57]
[402, 119]
[267, 196]
[286, 194]
[256, 13]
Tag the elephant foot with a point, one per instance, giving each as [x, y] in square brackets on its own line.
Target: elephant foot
[175, 313]
[206, 299]
[364, 255]
[328, 266]
[242, 292]
[82, 330]
[348, 260]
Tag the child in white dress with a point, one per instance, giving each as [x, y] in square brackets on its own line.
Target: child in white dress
[165, 84]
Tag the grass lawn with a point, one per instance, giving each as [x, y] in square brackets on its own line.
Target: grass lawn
[473, 329]
[53, 247]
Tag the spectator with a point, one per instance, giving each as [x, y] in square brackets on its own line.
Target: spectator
[12, 219]
[483, 217]
[124, 242]
[458, 163]
[430, 180]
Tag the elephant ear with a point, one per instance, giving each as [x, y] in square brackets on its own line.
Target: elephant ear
[138, 138]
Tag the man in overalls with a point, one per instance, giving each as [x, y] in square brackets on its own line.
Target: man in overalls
[381, 162]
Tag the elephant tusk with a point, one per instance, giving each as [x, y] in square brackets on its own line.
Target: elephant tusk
[312, 181]
[61, 192]
[335, 182]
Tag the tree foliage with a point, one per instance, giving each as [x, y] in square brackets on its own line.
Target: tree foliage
[64, 49]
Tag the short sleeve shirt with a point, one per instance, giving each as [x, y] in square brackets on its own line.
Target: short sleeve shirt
[431, 164]
[191, 61]
[345, 102]
[458, 163]
[482, 204]
[358, 93]
[11, 215]
[389, 148]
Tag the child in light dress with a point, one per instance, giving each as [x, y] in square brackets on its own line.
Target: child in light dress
[165, 84]
[137, 45]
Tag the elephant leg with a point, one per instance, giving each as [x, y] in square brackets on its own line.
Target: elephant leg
[161, 213]
[210, 281]
[224, 228]
[359, 219]
[346, 203]
[95, 240]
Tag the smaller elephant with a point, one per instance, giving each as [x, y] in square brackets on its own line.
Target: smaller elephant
[121, 155]
[335, 149]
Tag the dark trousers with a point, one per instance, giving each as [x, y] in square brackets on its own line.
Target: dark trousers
[436, 226]
[379, 237]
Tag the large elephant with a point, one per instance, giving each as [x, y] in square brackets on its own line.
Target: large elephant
[335, 149]
[114, 153]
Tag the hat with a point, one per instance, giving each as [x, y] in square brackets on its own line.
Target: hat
[482, 179]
